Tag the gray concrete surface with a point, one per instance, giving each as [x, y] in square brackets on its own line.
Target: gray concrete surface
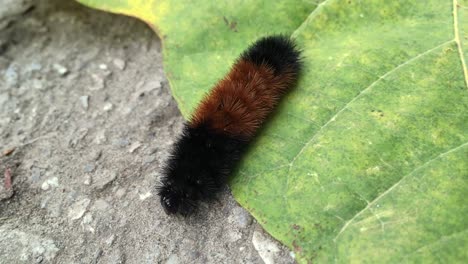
[86, 121]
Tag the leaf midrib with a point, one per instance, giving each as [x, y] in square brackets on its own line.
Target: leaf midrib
[458, 41]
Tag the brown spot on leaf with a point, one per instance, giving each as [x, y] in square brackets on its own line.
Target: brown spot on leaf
[232, 25]
[296, 227]
[297, 248]
[377, 113]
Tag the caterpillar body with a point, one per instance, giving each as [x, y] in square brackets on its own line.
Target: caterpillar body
[226, 120]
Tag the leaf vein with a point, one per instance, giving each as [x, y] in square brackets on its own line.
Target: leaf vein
[333, 118]
[443, 239]
[369, 205]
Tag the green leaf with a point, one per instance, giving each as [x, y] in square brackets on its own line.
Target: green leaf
[367, 159]
[201, 39]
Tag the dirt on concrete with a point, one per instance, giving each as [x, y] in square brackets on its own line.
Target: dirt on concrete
[86, 121]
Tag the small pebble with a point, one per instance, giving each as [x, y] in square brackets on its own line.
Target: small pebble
[5, 193]
[100, 205]
[240, 217]
[121, 142]
[60, 69]
[149, 159]
[110, 240]
[146, 87]
[119, 63]
[120, 193]
[35, 66]
[100, 137]
[265, 246]
[244, 219]
[233, 236]
[51, 182]
[89, 167]
[37, 84]
[144, 196]
[35, 174]
[88, 218]
[45, 186]
[8, 151]
[98, 82]
[104, 178]
[134, 147]
[103, 66]
[86, 222]
[107, 107]
[84, 100]
[78, 209]
[44, 202]
[11, 76]
[87, 180]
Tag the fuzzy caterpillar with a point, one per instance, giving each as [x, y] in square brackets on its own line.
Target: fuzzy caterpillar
[225, 121]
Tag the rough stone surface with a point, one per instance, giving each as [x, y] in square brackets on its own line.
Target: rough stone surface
[90, 139]
[103, 178]
[10, 9]
[17, 246]
[78, 208]
[269, 249]
[5, 193]
[239, 216]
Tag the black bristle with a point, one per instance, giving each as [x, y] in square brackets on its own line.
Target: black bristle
[278, 51]
[199, 165]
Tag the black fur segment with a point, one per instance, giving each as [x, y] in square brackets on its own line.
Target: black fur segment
[279, 52]
[198, 167]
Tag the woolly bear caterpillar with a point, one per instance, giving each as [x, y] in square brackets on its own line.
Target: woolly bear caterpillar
[225, 122]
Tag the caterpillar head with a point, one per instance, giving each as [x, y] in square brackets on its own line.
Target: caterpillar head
[176, 201]
[181, 197]
[196, 170]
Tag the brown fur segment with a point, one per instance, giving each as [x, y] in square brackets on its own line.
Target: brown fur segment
[241, 102]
